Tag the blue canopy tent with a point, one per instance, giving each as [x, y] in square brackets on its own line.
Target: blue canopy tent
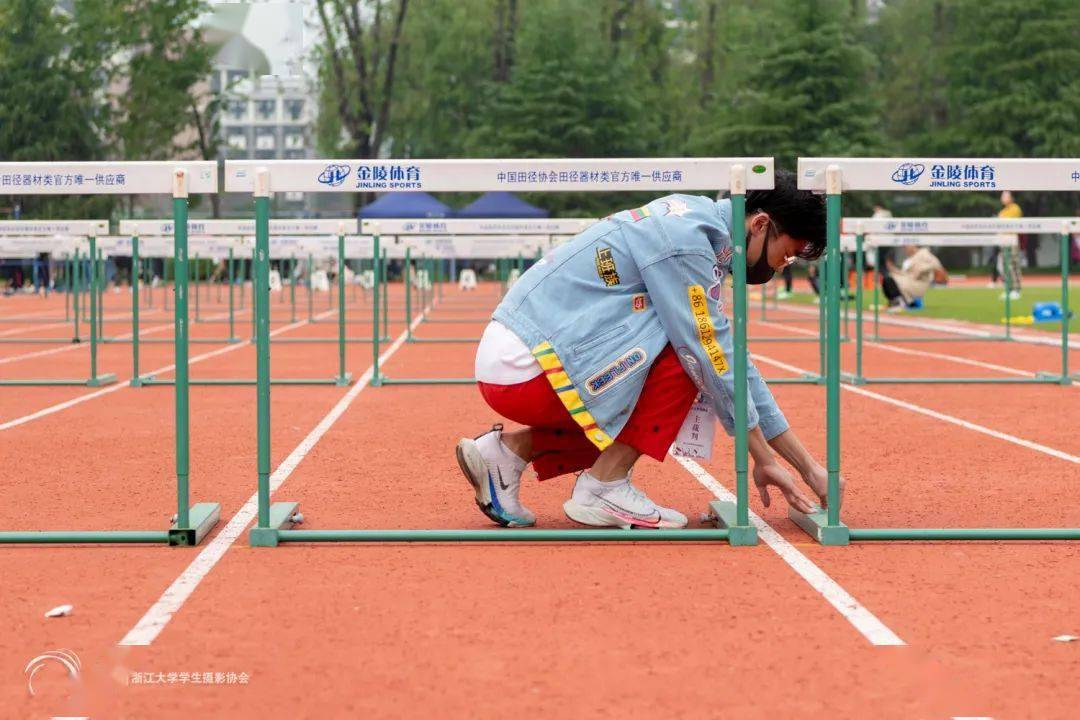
[500, 205]
[405, 205]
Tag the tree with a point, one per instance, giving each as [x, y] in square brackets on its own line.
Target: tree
[445, 69]
[49, 110]
[1013, 87]
[809, 94]
[359, 53]
[566, 97]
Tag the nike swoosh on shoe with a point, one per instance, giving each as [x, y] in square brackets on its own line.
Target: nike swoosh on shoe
[503, 485]
[630, 515]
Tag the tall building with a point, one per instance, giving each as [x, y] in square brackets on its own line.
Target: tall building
[269, 106]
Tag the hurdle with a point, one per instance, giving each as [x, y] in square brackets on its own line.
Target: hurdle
[462, 238]
[218, 238]
[25, 240]
[89, 230]
[963, 234]
[177, 179]
[835, 176]
[261, 177]
[501, 247]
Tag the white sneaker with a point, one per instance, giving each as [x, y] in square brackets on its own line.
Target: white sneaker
[783, 295]
[617, 504]
[495, 474]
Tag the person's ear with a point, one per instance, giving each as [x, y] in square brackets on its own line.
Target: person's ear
[759, 222]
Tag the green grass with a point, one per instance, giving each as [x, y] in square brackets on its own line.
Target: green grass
[974, 304]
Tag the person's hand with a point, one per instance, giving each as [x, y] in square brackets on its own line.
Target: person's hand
[817, 478]
[773, 474]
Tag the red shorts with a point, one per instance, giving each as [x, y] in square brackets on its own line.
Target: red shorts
[560, 446]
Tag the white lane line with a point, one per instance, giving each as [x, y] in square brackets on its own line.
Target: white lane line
[921, 353]
[65, 323]
[155, 328]
[162, 611]
[955, 327]
[122, 383]
[1046, 450]
[868, 625]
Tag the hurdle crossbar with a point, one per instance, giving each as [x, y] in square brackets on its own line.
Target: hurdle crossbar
[178, 179]
[835, 176]
[259, 178]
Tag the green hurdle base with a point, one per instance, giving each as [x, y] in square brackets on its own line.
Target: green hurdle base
[203, 518]
[301, 341]
[1039, 379]
[938, 338]
[98, 381]
[339, 381]
[170, 341]
[816, 525]
[723, 514]
[381, 379]
[39, 341]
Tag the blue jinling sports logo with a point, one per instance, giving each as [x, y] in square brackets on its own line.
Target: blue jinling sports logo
[334, 175]
[908, 173]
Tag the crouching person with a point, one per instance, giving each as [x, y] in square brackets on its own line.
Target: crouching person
[602, 347]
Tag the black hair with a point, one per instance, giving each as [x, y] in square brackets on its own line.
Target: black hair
[798, 213]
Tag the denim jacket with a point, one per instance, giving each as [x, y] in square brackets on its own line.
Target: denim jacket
[597, 311]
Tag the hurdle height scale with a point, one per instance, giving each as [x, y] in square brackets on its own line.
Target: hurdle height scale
[177, 179]
[835, 176]
[260, 178]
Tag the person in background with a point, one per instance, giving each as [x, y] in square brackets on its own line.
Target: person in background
[906, 285]
[1009, 209]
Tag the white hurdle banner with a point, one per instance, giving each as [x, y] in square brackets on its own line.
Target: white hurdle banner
[944, 174]
[563, 175]
[163, 246]
[105, 178]
[289, 226]
[29, 246]
[81, 228]
[960, 225]
[469, 226]
[847, 240]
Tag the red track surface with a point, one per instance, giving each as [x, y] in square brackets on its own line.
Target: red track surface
[501, 630]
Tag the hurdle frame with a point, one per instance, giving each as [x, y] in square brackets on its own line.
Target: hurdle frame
[835, 176]
[954, 232]
[88, 231]
[232, 234]
[259, 177]
[58, 238]
[178, 179]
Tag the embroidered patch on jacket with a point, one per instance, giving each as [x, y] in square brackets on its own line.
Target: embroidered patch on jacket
[568, 394]
[639, 213]
[699, 306]
[616, 372]
[639, 302]
[605, 267]
[716, 290]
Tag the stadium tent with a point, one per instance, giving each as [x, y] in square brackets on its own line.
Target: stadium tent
[500, 205]
[405, 205]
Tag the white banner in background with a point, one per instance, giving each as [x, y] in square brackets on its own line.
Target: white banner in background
[104, 178]
[944, 174]
[54, 227]
[468, 226]
[286, 226]
[960, 225]
[558, 175]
